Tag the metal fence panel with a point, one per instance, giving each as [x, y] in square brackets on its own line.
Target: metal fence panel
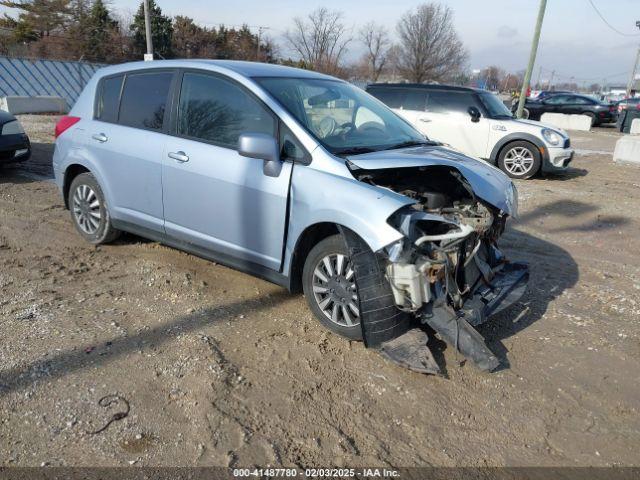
[31, 78]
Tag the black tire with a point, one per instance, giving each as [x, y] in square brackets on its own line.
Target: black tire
[525, 113]
[333, 245]
[592, 116]
[94, 230]
[530, 170]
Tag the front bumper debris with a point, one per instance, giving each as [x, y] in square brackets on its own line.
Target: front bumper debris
[456, 327]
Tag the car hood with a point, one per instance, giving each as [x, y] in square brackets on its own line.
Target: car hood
[487, 182]
[535, 126]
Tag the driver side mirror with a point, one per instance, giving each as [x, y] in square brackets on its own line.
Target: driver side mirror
[263, 147]
[474, 113]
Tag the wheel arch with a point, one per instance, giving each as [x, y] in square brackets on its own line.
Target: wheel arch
[520, 137]
[71, 172]
[309, 238]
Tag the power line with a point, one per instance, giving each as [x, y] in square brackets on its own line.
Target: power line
[609, 25]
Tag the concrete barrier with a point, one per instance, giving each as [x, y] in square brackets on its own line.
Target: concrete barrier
[39, 104]
[627, 150]
[635, 127]
[567, 122]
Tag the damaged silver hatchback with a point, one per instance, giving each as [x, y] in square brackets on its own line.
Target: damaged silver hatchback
[301, 179]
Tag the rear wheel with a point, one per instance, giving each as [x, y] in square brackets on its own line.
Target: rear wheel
[520, 160]
[89, 210]
[592, 116]
[328, 281]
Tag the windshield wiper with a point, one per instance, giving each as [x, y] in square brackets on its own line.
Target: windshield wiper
[354, 150]
[411, 143]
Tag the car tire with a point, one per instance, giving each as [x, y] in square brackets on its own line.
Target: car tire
[324, 297]
[525, 113]
[520, 160]
[592, 116]
[89, 211]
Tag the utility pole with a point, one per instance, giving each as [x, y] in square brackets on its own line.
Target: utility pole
[260, 29]
[147, 31]
[553, 74]
[538, 79]
[632, 79]
[532, 58]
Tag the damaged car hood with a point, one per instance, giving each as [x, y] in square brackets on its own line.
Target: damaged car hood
[487, 182]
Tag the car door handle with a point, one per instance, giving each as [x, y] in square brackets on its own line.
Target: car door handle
[101, 137]
[179, 156]
[424, 120]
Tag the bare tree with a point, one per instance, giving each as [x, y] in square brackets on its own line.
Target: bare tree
[376, 39]
[431, 49]
[320, 40]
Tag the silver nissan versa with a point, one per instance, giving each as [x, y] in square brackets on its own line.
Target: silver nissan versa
[301, 179]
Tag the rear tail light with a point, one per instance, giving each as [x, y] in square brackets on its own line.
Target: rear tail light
[612, 108]
[65, 123]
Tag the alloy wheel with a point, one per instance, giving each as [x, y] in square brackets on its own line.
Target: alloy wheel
[86, 209]
[518, 160]
[334, 290]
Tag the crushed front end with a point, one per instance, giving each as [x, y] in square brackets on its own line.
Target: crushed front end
[447, 271]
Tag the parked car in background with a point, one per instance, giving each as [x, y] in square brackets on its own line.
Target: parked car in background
[571, 103]
[286, 174]
[628, 104]
[548, 93]
[14, 143]
[477, 123]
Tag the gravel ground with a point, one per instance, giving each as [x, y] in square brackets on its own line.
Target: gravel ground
[220, 368]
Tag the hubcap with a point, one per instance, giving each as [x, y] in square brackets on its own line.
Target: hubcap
[518, 160]
[86, 209]
[334, 290]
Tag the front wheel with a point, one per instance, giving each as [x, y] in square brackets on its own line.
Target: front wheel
[329, 284]
[520, 160]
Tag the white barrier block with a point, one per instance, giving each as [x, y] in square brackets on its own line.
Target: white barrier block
[635, 127]
[627, 150]
[43, 104]
[567, 122]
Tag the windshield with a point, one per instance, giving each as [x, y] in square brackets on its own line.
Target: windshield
[494, 106]
[344, 118]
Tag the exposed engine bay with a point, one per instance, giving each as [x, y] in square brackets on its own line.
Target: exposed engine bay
[447, 271]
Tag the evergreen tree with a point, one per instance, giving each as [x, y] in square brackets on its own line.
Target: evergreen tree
[101, 30]
[161, 31]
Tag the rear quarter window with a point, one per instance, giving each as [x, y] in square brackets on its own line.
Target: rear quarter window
[108, 98]
[144, 99]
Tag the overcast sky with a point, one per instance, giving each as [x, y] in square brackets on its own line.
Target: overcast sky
[575, 41]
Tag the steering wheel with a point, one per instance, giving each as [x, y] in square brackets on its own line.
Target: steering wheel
[372, 127]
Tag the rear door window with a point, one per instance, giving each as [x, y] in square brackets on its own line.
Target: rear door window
[144, 99]
[414, 99]
[450, 101]
[391, 97]
[108, 99]
[218, 111]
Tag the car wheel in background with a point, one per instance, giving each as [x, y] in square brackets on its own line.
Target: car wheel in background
[328, 281]
[520, 160]
[89, 210]
[592, 116]
[525, 113]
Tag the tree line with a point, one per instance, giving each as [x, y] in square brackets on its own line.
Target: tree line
[427, 46]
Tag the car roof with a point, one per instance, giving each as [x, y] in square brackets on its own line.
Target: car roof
[244, 68]
[426, 86]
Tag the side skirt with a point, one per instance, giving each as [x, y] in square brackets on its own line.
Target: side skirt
[244, 266]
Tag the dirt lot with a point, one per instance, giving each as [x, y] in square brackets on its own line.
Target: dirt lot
[221, 368]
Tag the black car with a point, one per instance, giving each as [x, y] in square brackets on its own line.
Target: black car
[14, 143]
[549, 93]
[571, 103]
